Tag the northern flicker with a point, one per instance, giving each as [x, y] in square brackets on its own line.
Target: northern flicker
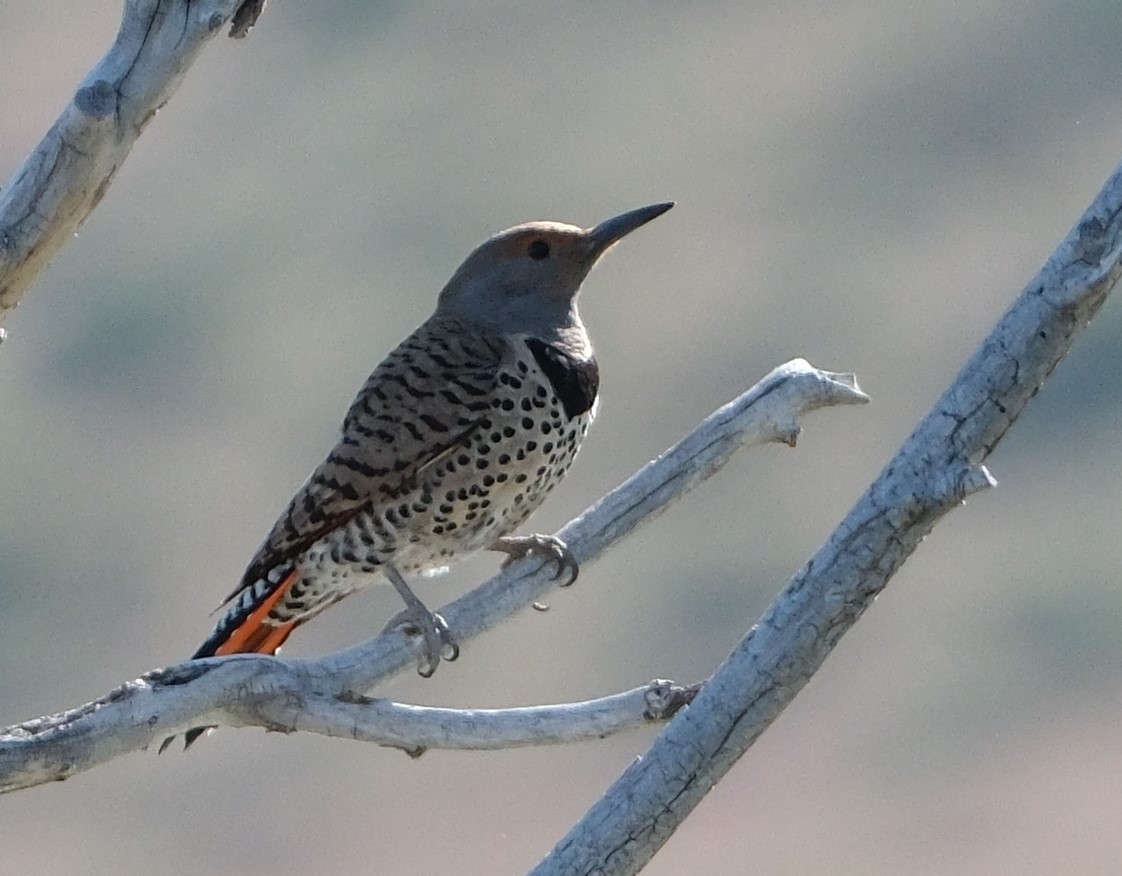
[451, 444]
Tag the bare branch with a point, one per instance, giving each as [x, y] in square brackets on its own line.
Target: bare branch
[417, 728]
[266, 692]
[66, 176]
[937, 467]
[317, 695]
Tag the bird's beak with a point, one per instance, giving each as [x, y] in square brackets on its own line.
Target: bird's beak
[611, 230]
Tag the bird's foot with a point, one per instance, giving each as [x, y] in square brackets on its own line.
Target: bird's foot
[436, 639]
[437, 642]
[549, 547]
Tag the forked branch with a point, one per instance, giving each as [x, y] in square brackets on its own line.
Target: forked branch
[320, 695]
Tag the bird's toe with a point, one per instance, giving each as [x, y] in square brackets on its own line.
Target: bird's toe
[549, 547]
[436, 640]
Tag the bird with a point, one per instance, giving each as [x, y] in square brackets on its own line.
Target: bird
[451, 443]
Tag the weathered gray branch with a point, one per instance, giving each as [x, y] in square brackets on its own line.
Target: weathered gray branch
[66, 176]
[318, 695]
[934, 471]
[417, 728]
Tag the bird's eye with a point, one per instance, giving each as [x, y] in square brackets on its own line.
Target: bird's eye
[538, 250]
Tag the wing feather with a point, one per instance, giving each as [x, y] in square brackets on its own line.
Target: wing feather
[418, 405]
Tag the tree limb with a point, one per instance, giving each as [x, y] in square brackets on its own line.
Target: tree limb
[318, 695]
[67, 175]
[938, 466]
[417, 728]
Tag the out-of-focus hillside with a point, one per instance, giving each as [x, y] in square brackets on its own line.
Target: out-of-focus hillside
[866, 184]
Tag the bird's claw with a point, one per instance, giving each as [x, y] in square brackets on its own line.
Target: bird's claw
[437, 642]
[549, 547]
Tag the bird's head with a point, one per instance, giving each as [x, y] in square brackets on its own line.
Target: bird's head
[526, 279]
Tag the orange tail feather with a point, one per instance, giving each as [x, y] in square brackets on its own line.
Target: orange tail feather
[254, 634]
[257, 634]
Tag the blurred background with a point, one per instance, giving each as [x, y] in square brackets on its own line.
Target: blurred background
[867, 184]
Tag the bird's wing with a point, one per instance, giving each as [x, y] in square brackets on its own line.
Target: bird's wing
[424, 401]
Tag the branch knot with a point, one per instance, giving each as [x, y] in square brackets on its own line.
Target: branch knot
[98, 100]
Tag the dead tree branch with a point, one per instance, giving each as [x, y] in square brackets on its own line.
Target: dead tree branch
[67, 175]
[319, 695]
[935, 470]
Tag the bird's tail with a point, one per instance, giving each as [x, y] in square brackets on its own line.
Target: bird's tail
[246, 628]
